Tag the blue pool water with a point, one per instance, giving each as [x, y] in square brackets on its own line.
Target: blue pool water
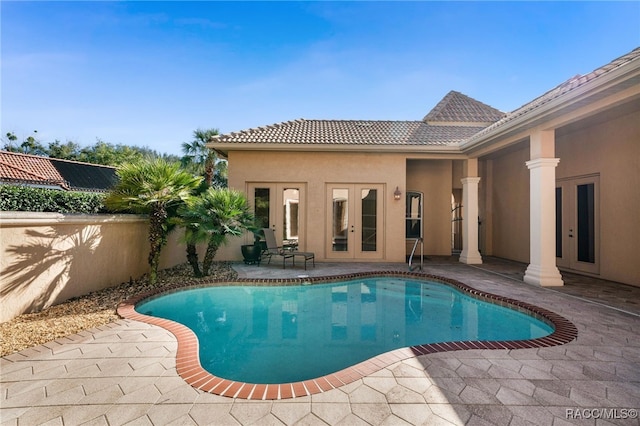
[293, 333]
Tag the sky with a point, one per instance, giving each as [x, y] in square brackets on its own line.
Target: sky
[149, 73]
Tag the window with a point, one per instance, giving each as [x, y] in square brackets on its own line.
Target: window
[414, 215]
[558, 222]
[586, 223]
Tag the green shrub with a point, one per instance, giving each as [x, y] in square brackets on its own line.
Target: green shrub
[29, 199]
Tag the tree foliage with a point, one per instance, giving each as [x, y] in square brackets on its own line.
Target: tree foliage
[203, 161]
[30, 145]
[105, 153]
[154, 188]
[212, 217]
[100, 152]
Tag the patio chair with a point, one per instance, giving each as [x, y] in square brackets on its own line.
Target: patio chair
[285, 252]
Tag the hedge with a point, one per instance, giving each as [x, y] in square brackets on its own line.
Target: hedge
[29, 199]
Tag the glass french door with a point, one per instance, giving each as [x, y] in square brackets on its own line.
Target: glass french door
[355, 221]
[578, 224]
[280, 206]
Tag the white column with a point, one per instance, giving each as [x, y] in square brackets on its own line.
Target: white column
[542, 268]
[470, 253]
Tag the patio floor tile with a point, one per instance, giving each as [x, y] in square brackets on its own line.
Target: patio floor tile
[331, 412]
[126, 371]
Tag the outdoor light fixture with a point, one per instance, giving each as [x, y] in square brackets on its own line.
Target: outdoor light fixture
[397, 194]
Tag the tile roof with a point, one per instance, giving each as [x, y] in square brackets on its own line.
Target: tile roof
[562, 89]
[458, 108]
[351, 132]
[28, 168]
[70, 175]
[455, 120]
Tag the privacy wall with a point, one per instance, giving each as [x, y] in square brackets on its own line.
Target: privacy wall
[47, 258]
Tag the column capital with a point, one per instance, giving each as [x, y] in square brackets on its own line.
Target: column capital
[542, 162]
[470, 179]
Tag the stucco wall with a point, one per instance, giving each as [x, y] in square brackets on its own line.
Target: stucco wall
[47, 258]
[315, 169]
[611, 149]
[433, 178]
[508, 185]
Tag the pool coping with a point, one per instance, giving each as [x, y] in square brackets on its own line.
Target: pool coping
[188, 360]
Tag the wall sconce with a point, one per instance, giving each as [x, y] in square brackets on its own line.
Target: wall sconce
[397, 194]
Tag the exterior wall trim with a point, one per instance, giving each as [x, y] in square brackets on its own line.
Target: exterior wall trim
[8, 219]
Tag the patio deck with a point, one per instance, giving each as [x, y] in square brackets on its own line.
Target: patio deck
[124, 373]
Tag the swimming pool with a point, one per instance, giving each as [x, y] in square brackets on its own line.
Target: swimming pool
[334, 331]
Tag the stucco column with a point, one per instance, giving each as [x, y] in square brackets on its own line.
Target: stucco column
[542, 268]
[470, 253]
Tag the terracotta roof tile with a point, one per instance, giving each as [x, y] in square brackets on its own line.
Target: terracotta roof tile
[455, 119]
[351, 132]
[458, 108]
[71, 175]
[22, 167]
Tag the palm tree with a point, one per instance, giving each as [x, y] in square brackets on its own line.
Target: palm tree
[201, 160]
[212, 217]
[154, 188]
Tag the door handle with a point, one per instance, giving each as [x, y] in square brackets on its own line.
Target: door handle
[570, 233]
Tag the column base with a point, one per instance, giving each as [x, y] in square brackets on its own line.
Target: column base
[548, 277]
[470, 258]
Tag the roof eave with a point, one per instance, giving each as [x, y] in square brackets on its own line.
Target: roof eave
[563, 102]
[225, 148]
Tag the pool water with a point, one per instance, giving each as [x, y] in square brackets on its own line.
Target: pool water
[259, 334]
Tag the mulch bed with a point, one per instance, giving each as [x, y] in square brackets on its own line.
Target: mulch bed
[94, 309]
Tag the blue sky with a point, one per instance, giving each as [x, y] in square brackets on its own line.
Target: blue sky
[149, 73]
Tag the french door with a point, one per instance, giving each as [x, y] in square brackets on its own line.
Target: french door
[355, 221]
[280, 206]
[578, 224]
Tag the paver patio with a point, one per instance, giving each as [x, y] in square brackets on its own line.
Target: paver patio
[124, 373]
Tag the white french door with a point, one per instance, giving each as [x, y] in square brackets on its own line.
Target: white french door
[355, 220]
[280, 206]
[578, 224]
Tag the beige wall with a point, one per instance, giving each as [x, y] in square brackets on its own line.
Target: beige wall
[507, 186]
[315, 170]
[47, 258]
[608, 147]
[433, 179]
[612, 150]
[607, 144]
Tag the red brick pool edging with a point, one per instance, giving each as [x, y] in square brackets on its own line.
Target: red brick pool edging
[188, 360]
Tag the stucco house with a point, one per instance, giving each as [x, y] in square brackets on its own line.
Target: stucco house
[554, 183]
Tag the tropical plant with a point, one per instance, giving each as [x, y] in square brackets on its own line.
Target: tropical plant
[190, 224]
[201, 160]
[154, 188]
[212, 217]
